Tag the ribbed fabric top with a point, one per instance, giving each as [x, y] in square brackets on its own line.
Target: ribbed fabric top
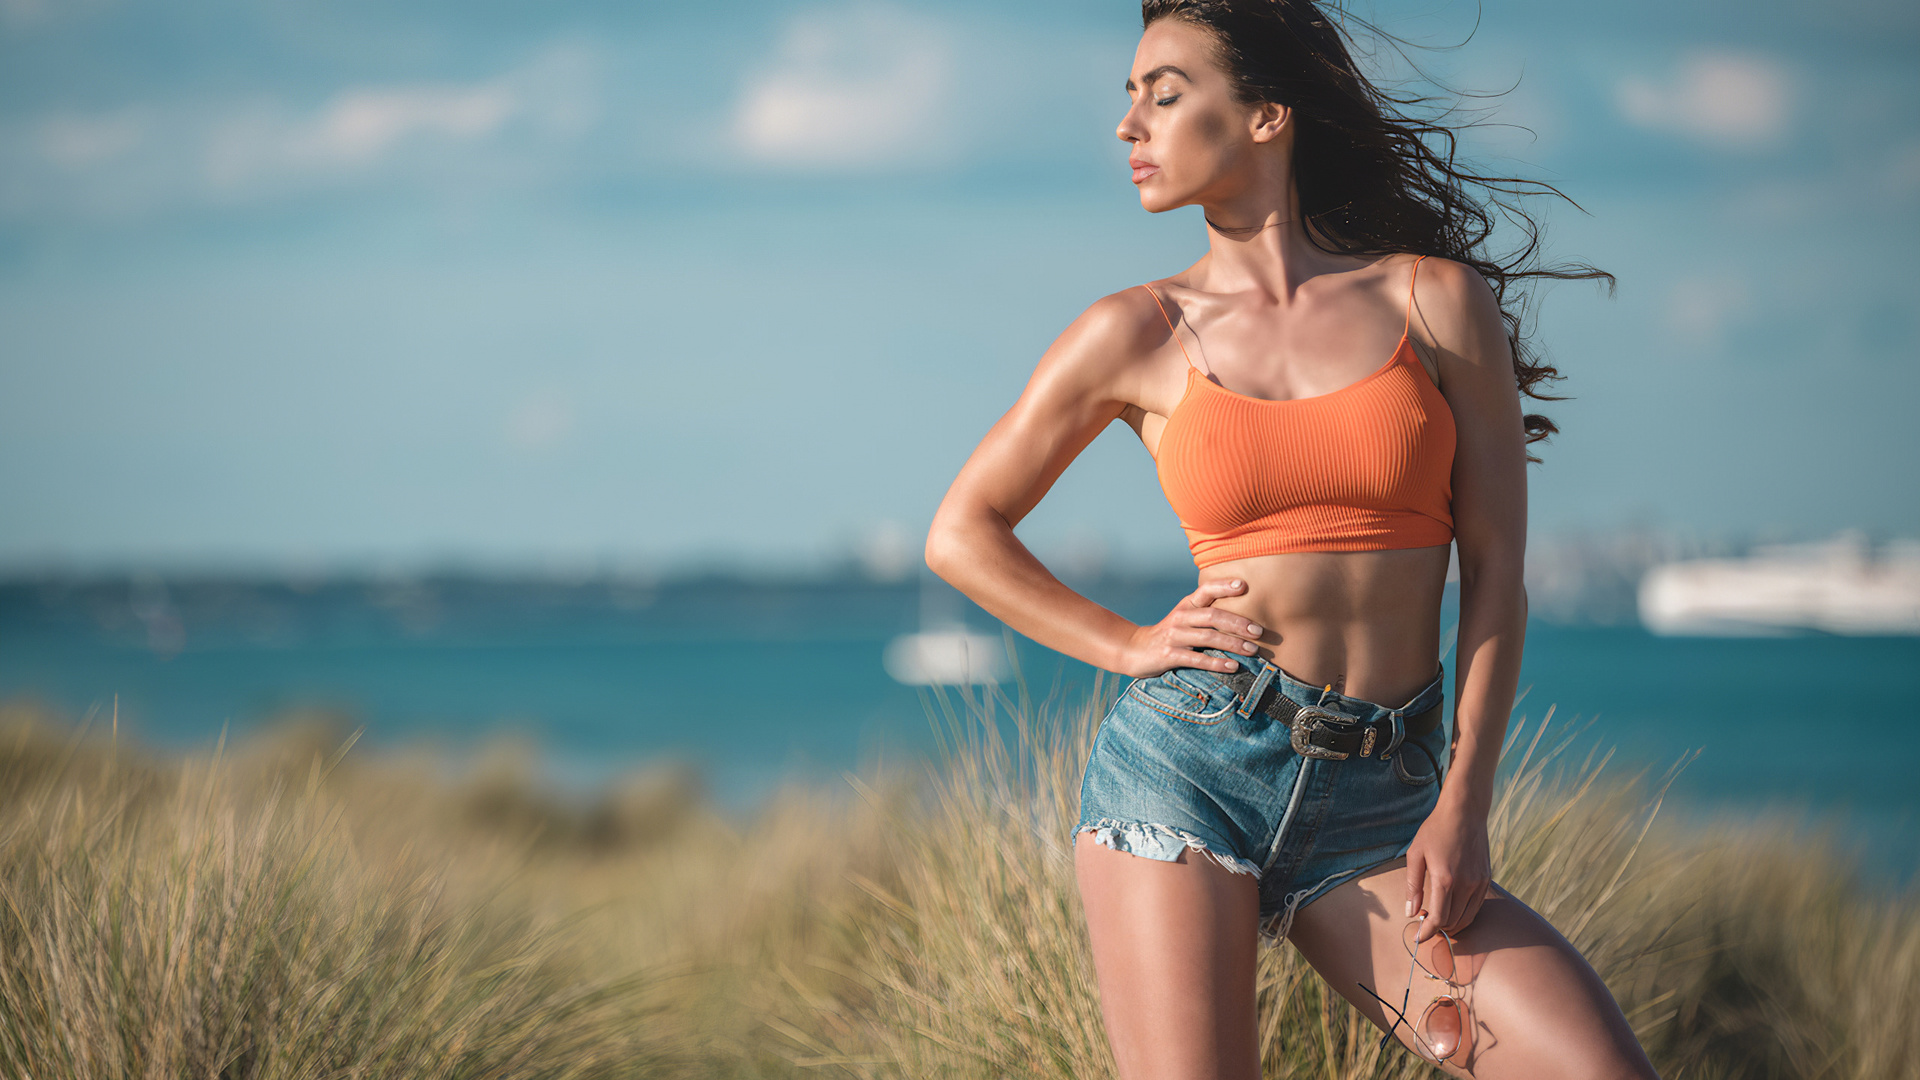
[1365, 468]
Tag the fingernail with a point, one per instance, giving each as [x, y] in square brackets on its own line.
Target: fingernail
[1254, 630]
[1249, 646]
[1409, 909]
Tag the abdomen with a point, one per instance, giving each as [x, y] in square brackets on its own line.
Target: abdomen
[1366, 621]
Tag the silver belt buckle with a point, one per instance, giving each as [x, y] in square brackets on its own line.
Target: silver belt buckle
[1305, 723]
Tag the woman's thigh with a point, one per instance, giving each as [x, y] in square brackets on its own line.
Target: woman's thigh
[1174, 950]
[1538, 1008]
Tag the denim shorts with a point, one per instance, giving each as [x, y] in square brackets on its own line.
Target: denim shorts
[1180, 764]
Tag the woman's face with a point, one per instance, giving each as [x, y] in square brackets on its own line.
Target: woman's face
[1191, 141]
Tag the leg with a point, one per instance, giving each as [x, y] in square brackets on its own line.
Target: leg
[1173, 948]
[1538, 1008]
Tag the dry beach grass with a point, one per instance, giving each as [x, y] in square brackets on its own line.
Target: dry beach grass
[291, 907]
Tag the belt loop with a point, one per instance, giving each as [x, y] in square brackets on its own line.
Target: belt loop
[1399, 725]
[1258, 689]
[1393, 740]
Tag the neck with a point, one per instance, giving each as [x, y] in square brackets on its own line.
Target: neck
[1258, 241]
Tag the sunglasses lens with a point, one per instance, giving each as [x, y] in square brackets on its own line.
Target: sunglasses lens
[1445, 1028]
[1435, 954]
[1439, 958]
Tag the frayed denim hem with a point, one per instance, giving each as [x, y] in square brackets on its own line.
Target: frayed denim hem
[1152, 840]
[1274, 929]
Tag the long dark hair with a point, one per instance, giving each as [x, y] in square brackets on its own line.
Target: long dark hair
[1369, 183]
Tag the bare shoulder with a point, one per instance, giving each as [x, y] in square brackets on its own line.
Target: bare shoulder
[1110, 342]
[1456, 315]
[1128, 323]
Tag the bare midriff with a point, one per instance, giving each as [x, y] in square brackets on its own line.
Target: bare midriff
[1366, 622]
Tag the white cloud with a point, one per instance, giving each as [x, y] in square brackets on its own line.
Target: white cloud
[1740, 100]
[75, 142]
[864, 88]
[362, 124]
[539, 422]
[356, 129]
[451, 136]
[1699, 309]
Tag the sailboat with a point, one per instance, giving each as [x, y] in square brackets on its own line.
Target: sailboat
[944, 652]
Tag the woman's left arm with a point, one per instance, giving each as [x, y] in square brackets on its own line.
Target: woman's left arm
[1449, 866]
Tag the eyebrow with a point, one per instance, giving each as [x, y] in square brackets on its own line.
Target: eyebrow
[1163, 69]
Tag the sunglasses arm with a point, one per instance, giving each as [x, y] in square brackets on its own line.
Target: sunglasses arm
[1399, 1015]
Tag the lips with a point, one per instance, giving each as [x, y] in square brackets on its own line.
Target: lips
[1142, 169]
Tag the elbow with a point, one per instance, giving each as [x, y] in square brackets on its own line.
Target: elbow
[960, 538]
[943, 549]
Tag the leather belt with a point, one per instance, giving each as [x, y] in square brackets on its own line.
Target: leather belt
[1323, 733]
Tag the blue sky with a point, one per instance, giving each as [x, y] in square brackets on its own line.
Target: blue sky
[284, 282]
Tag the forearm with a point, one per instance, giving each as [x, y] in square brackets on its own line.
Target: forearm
[977, 553]
[1493, 629]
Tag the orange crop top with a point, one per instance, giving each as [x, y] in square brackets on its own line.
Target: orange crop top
[1365, 468]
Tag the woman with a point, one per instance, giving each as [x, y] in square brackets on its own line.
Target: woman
[1275, 765]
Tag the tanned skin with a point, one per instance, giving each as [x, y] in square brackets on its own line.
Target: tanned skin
[1270, 315]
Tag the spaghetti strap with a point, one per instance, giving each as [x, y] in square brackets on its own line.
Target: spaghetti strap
[1410, 280]
[1170, 330]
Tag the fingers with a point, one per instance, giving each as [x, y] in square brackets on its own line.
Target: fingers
[1416, 880]
[1194, 624]
[1470, 909]
[1177, 657]
[1195, 637]
[1181, 648]
[1196, 612]
[1209, 591]
[1189, 658]
[1450, 907]
[1438, 901]
[1220, 619]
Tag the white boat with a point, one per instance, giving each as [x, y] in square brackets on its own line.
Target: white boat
[946, 657]
[945, 652]
[1841, 586]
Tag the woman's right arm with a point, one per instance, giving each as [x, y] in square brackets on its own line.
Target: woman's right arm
[1082, 384]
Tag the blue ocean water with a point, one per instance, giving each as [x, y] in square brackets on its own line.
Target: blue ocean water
[757, 681]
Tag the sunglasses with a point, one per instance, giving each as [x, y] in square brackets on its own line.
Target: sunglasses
[1445, 1029]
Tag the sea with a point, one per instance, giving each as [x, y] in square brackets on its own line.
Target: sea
[757, 681]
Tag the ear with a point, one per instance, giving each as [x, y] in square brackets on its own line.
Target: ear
[1268, 120]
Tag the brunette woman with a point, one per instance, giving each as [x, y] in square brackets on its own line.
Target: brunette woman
[1278, 765]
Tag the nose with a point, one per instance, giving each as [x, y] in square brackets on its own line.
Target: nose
[1129, 129]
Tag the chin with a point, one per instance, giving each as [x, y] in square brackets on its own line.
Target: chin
[1157, 204]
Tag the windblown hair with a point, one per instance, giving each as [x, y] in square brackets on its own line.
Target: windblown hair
[1369, 183]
